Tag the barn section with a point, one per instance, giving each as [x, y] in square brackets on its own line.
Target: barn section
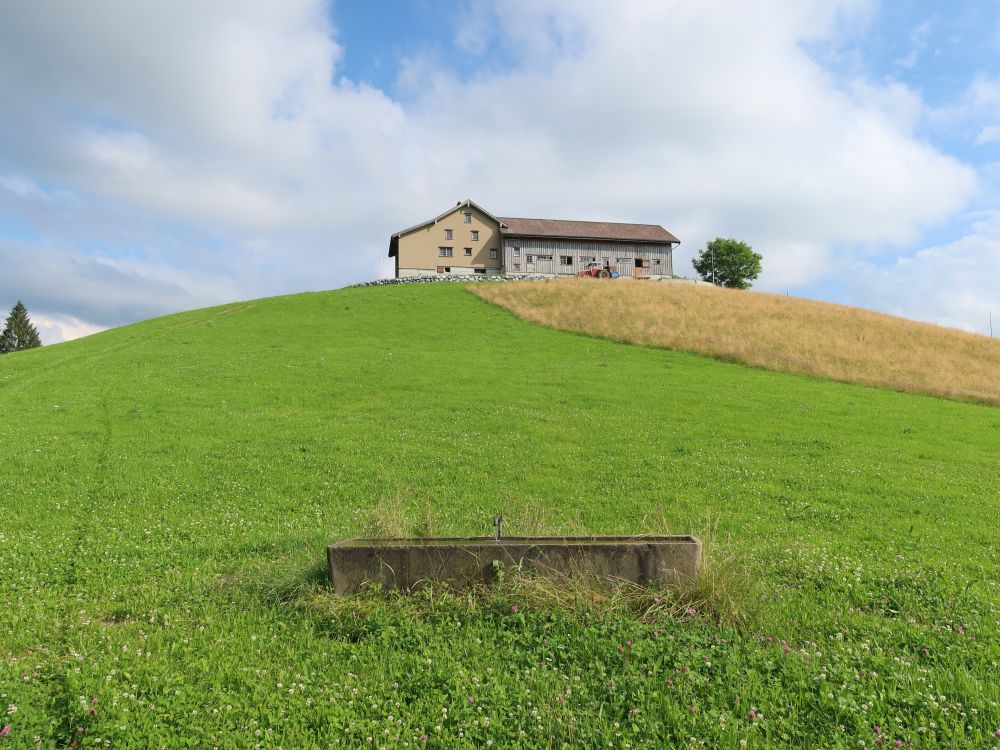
[564, 248]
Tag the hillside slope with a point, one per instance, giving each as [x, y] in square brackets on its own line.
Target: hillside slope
[167, 489]
[787, 334]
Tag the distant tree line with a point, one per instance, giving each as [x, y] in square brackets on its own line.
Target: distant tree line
[18, 332]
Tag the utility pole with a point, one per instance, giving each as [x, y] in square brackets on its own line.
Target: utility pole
[713, 267]
[991, 324]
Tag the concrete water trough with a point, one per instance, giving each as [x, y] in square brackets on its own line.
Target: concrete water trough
[407, 563]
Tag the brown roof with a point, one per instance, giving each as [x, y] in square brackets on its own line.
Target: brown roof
[589, 230]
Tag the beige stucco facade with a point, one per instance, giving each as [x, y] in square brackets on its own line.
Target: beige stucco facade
[472, 236]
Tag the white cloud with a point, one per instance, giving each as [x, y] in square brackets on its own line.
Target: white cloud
[54, 329]
[988, 134]
[219, 147]
[955, 284]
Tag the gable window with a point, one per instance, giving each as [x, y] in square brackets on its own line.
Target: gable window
[468, 217]
[493, 254]
[444, 252]
[447, 234]
[468, 251]
[475, 235]
[565, 260]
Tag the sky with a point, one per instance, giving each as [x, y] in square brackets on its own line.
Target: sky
[157, 157]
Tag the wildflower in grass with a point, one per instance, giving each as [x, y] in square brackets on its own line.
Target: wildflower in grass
[471, 700]
[694, 710]
[423, 738]
[751, 714]
[5, 730]
[877, 729]
[670, 682]
[691, 611]
[513, 608]
[897, 743]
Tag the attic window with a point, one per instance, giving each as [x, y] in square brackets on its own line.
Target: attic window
[475, 235]
[447, 234]
[468, 251]
[468, 217]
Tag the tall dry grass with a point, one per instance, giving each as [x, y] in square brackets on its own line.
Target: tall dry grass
[790, 334]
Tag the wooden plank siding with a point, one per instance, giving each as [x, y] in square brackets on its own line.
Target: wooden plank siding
[548, 256]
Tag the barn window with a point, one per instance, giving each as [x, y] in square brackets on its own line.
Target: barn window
[447, 234]
[493, 254]
[475, 235]
[530, 258]
[444, 252]
[565, 260]
[468, 251]
[517, 252]
[468, 217]
[656, 261]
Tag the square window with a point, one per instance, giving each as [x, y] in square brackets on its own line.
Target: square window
[530, 258]
[468, 217]
[444, 252]
[565, 260]
[447, 234]
[475, 235]
[468, 251]
[493, 254]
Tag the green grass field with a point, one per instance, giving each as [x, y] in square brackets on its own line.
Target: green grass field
[167, 490]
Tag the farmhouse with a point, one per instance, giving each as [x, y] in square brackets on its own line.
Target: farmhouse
[468, 240]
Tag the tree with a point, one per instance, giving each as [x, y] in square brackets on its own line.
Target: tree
[18, 333]
[728, 262]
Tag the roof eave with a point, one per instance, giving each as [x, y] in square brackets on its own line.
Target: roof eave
[674, 241]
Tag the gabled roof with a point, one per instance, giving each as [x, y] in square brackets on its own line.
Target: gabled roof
[585, 230]
[576, 230]
[461, 204]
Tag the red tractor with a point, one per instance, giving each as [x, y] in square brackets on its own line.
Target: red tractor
[597, 271]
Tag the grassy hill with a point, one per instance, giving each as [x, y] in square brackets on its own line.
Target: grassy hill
[167, 489]
[788, 334]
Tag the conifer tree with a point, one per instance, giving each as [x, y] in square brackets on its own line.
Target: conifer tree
[18, 333]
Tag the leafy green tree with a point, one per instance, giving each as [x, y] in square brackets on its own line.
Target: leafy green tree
[728, 262]
[19, 333]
